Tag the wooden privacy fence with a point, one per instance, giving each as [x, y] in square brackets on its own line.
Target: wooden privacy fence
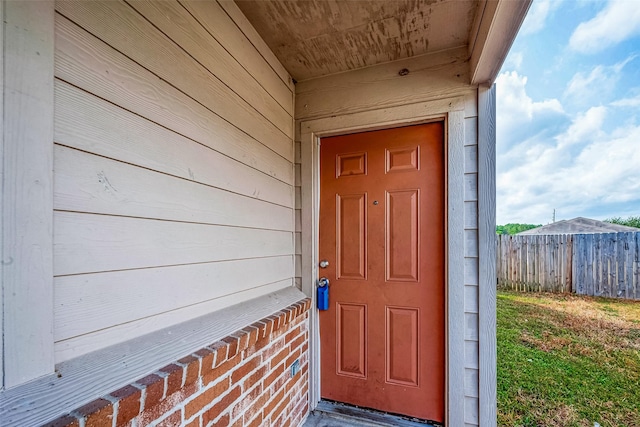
[588, 264]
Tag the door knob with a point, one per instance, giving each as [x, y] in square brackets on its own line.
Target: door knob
[323, 281]
[324, 263]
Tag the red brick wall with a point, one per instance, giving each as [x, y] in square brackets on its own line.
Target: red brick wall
[244, 379]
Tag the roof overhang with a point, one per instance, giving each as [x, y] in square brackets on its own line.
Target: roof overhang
[497, 24]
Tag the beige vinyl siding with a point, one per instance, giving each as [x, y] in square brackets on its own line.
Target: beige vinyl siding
[173, 169]
[431, 78]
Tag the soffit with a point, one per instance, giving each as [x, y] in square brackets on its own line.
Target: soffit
[313, 38]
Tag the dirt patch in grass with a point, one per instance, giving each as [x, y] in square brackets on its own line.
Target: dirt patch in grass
[565, 360]
[605, 323]
[546, 343]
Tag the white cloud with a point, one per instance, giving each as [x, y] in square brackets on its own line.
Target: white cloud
[537, 16]
[627, 102]
[519, 116]
[604, 172]
[618, 21]
[584, 127]
[514, 101]
[607, 170]
[601, 79]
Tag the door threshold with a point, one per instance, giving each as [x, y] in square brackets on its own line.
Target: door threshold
[334, 414]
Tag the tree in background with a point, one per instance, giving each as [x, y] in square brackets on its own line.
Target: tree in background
[632, 221]
[515, 228]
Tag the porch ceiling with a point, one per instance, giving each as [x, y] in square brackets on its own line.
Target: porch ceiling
[313, 38]
[317, 37]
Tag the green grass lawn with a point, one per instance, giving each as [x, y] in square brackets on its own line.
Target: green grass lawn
[565, 360]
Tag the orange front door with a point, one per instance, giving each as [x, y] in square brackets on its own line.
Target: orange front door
[382, 231]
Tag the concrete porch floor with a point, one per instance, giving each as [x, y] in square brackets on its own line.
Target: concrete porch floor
[328, 414]
[320, 419]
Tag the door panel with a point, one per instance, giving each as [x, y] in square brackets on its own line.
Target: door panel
[402, 235]
[382, 231]
[351, 339]
[352, 235]
[402, 345]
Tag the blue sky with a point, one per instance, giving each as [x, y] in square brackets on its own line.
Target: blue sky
[568, 108]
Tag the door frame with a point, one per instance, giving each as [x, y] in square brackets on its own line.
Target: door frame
[452, 112]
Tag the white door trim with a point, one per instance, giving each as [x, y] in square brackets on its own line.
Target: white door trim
[452, 111]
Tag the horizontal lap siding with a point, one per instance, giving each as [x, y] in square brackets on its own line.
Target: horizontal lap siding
[173, 165]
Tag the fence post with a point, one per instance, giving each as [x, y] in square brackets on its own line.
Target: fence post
[611, 265]
[561, 260]
[622, 290]
[630, 249]
[636, 273]
[569, 263]
[590, 283]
